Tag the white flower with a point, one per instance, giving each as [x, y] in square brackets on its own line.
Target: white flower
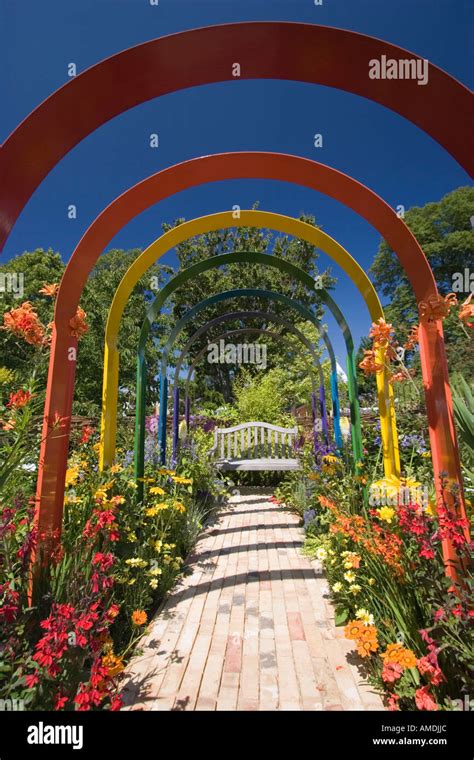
[321, 553]
[350, 576]
[364, 615]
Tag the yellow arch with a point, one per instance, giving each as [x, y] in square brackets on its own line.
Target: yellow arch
[225, 220]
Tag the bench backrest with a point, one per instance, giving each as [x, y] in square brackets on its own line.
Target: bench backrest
[254, 440]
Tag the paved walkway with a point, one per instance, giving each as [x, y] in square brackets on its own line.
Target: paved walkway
[250, 628]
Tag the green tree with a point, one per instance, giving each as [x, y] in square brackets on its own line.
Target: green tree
[444, 231]
[298, 252]
[39, 267]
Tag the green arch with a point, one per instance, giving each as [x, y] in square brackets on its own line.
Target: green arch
[266, 260]
[218, 297]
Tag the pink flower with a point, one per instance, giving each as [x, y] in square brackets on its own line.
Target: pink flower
[391, 672]
[393, 701]
[424, 700]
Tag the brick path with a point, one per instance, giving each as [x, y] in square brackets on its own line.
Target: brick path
[250, 628]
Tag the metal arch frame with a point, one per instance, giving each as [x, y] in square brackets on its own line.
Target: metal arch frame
[273, 50]
[316, 365]
[265, 50]
[204, 304]
[258, 219]
[283, 339]
[287, 168]
[276, 318]
[110, 390]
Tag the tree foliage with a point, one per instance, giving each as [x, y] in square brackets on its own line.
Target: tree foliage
[444, 231]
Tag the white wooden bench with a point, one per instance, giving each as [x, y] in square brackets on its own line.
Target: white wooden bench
[255, 446]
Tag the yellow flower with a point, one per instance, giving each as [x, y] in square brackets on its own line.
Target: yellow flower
[386, 514]
[371, 581]
[350, 576]
[354, 588]
[96, 447]
[100, 494]
[131, 484]
[155, 571]
[179, 507]
[179, 479]
[330, 458]
[157, 546]
[154, 583]
[116, 468]
[72, 474]
[426, 454]
[431, 509]
[157, 490]
[131, 581]
[337, 587]
[136, 562]
[131, 537]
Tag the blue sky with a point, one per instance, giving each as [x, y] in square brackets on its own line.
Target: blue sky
[363, 139]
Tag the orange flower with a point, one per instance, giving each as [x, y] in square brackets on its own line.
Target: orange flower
[113, 664]
[381, 332]
[139, 617]
[354, 629]
[366, 646]
[400, 377]
[77, 324]
[19, 399]
[412, 339]
[364, 635]
[24, 322]
[436, 307]
[49, 290]
[369, 365]
[466, 312]
[398, 654]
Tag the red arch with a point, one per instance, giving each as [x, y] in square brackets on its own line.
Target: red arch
[53, 457]
[265, 50]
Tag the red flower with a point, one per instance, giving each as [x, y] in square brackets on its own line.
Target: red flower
[82, 699]
[116, 703]
[60, 702]
[105, 561]
[19, 399]
[424, 700]
[31, 680]
[87, 431]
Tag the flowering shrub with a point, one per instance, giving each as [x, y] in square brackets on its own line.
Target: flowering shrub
[115, 559]
[410, 623]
